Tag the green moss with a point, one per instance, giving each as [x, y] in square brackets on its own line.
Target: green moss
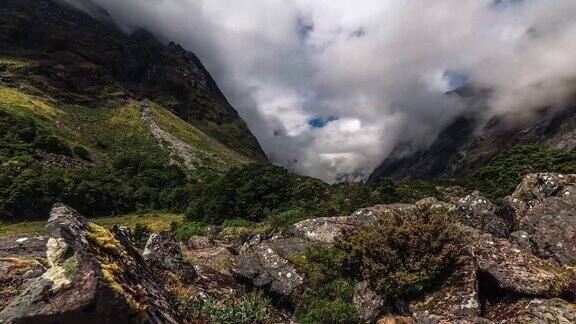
[70, 266]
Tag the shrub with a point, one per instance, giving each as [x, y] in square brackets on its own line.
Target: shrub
[403, 254]
[140, 234]
[186, 230]
[329, 290]
[252, 308]
[286, 218]
[237, 222]
[500, 175]
[81, 152]
[52, 144]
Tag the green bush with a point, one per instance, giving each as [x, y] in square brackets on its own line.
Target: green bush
[186, 230]
[403, 254]
[237, 222]
[52, 144]
[499, 176]
[81, 152]
[286, 218]
[329, 290]
[252, 308]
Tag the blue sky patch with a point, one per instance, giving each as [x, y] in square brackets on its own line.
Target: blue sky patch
[320, 122]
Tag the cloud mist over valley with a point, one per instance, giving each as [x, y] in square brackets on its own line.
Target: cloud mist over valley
[331, 87]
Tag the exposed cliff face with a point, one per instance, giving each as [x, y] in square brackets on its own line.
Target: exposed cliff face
[77, 59]
[469, 142]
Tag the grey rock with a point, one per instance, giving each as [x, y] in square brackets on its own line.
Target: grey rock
[368, 303]
[534, 311]
[520, 272]
[263, 267]
[544, 206]
[164, 256]
[478, 212]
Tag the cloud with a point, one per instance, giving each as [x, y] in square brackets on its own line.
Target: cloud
[381, 66]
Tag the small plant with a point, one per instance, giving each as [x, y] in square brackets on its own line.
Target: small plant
[328, 295]
[403, 254]
[183, 232]
[252, 308]
[237, 222]
[140, 234]
[286, 218]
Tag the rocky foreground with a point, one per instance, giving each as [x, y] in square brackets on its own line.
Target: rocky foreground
[519, 266]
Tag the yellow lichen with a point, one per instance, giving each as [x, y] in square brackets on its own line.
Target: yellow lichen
[108, 252]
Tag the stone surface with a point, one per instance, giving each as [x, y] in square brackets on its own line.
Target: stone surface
[518, 271]
[456, 299]
[164, 257]
[395, 320]
[29, 246]
[478, 212]
[368, 303]
[263, 267]
[544, 206]
[326, 229]
[534, 311]
[93, 275]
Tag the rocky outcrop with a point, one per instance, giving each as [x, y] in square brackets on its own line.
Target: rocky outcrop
[164, 257]
[368, 303]
[456, 299]
[534, 311]
[544, 207]
[93, 275]
[264, 267]
[478, 212]
[520, 272]
[326, 229]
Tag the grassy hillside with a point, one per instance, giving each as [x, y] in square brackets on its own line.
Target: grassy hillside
[155, 221]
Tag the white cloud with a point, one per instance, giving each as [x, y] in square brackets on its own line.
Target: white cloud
[377, 64]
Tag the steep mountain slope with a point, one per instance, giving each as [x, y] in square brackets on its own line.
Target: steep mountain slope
[51, 49]
[468, 143]
[104, 120]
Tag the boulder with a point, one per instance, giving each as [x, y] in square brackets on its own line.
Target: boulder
[264, 267]
[28, 246]
[93, 276]
[368, 303]
[478, 212]
[164, 257]
[544, 206]
[517, 271]
[456, 299]
[326, 229]
[534, 311]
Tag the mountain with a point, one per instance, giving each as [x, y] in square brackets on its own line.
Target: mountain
[469, 142]
[80, 96]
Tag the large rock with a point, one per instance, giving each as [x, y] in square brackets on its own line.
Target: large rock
[164, 257]
[93, 276]
[326, 229]
[264, 267]
[456, 299]
[534, 311]
[544, 206]
[368, 303]
[478, 212]
[520, 272]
